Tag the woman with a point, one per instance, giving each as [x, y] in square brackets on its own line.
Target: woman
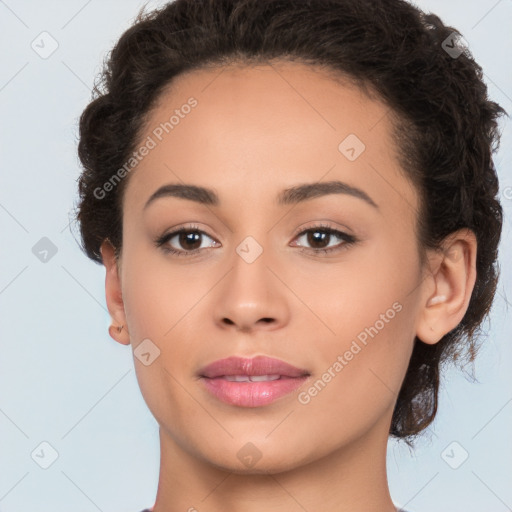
[295, 203]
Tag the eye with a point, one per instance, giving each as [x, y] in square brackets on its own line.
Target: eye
[189, 238]
[322, 235]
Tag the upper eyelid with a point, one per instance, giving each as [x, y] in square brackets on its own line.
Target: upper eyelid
[320, 226]
[299, 231]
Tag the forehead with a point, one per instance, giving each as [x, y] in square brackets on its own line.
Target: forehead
[256, 128]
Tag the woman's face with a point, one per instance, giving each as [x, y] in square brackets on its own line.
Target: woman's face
[260, 282]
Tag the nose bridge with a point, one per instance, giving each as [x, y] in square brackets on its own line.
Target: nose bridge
[251, 295]
[251, 277]
[252, 237]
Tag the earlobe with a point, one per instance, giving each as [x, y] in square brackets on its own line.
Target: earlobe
[115, 334]
[452, 280]
[113, 294]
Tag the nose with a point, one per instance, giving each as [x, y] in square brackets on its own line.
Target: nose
[252, 297]
[246, 324]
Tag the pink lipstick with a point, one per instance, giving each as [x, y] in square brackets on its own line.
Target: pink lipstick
[251, 382]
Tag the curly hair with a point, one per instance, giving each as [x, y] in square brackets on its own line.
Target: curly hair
[444, 126]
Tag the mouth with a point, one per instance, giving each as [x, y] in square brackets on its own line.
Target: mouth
[251, 378]
[251, 382]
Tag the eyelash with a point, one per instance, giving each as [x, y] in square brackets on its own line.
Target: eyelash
[348, 239]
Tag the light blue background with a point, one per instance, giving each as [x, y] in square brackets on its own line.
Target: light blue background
[63, 380]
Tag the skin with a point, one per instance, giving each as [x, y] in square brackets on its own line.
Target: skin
[257, 131]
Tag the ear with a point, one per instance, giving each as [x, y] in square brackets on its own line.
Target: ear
[448, 287]
[113, 293]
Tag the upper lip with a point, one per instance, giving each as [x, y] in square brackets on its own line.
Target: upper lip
[259, 365]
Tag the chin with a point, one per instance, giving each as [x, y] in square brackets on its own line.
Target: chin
[249, 460]
[260, 468]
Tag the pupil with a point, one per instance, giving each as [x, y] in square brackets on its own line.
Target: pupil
[313, 239]
[189, 238]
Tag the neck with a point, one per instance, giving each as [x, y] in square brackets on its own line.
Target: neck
[351, 479]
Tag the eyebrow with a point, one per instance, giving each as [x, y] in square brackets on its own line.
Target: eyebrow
[292, 195]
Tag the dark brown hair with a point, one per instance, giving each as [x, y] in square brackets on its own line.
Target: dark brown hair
[445, 126]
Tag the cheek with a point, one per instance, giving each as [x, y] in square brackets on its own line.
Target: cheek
[362, 292]
[371, 310]
[159, 296]
[161, 305]
[359, 379]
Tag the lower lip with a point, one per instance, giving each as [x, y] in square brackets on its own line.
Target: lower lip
[251, 394]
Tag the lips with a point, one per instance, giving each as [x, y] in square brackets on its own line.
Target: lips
[251, 382]
[256, 366]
